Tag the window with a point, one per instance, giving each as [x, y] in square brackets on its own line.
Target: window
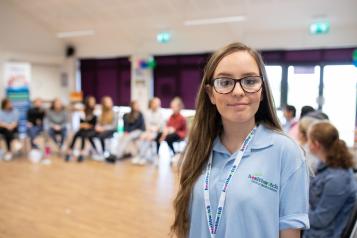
[340, 99]
[303, 86]
[274, 74]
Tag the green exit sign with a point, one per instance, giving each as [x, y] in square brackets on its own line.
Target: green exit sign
[319, 28]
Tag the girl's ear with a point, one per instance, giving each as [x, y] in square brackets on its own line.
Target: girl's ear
[210, 94]
[315, 145]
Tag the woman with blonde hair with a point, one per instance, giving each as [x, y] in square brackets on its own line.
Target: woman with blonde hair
[303, 126]
[107, 123]
[240, 174]
[333, 189]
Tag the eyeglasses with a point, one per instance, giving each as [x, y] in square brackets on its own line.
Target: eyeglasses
[249, 84]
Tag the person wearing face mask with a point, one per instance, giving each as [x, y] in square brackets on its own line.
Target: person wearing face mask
[240, 174]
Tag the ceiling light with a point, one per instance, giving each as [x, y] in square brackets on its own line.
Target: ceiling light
[69, 34]
[218, 20]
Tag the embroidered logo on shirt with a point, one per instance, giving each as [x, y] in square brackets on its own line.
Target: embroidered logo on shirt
[258, 179]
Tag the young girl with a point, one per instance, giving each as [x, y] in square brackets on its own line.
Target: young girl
[86, 128]
[176, 127]
[57, 120]
[134, 126]
[333, 189]
[240, 175]
[9, 118]
[303, 127]
[107, 123]
[154, 123]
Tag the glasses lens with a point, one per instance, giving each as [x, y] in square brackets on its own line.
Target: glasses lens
[223, 85]
[251, 84]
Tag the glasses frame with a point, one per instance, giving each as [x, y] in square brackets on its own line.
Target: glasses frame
[240, 83]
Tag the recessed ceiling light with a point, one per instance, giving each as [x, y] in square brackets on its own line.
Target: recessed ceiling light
[69, 34]
[218, 20]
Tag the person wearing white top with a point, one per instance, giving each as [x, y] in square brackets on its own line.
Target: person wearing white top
[154, 124]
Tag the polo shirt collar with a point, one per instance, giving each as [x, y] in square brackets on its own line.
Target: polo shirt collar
[262, 139]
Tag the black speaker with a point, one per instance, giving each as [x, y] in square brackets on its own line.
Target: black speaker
[70, 51]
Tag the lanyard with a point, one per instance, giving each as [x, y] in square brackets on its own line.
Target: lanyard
[212, 227]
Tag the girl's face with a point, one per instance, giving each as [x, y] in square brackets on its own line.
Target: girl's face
[175, 107]
[314, 146]
[236, 106]
[155, 104]
[136, 107]
[57, 104]
[91, 102]
[8, 106]
[107, 102]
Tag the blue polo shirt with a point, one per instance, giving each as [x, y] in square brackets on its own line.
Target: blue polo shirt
[268, 193]
[9, 117]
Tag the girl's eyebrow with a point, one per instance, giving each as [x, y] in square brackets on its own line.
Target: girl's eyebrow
[229, 75]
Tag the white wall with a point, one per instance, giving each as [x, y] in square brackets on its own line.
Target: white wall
[23, 39]
[46, 82]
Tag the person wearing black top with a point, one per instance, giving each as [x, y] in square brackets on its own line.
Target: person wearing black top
[35, 116]
[134, 126]
[86, 128]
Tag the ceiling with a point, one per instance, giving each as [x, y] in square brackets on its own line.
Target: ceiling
[125, 27]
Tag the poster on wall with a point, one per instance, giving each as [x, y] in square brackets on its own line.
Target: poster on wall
[17, 83]
[17, 75]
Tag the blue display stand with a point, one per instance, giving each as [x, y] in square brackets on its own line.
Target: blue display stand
[20, 98]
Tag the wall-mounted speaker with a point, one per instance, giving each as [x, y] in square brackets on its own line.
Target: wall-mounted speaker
[70, 51]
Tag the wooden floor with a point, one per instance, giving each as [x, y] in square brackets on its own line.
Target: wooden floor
[87, 200]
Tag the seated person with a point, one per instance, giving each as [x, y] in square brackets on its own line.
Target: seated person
[9, 118]
[35, 117]
[154, 124]
[333, 189]
[107, 123]
[86, 129]
[304, 124]
[134, 126]
[57, 121]
[176, 127]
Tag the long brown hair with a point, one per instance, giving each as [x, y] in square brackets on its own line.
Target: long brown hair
[133, 114]
[5, 102]
[337, 154]
[107, 112]
[89, 109]
[206, 126]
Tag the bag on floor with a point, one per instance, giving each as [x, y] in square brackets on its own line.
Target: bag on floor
[35, 156]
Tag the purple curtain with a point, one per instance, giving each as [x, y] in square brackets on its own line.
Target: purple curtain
[178, 75]
[106, 77]
[311, 57]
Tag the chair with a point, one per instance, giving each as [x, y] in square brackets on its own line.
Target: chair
[350, 230]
